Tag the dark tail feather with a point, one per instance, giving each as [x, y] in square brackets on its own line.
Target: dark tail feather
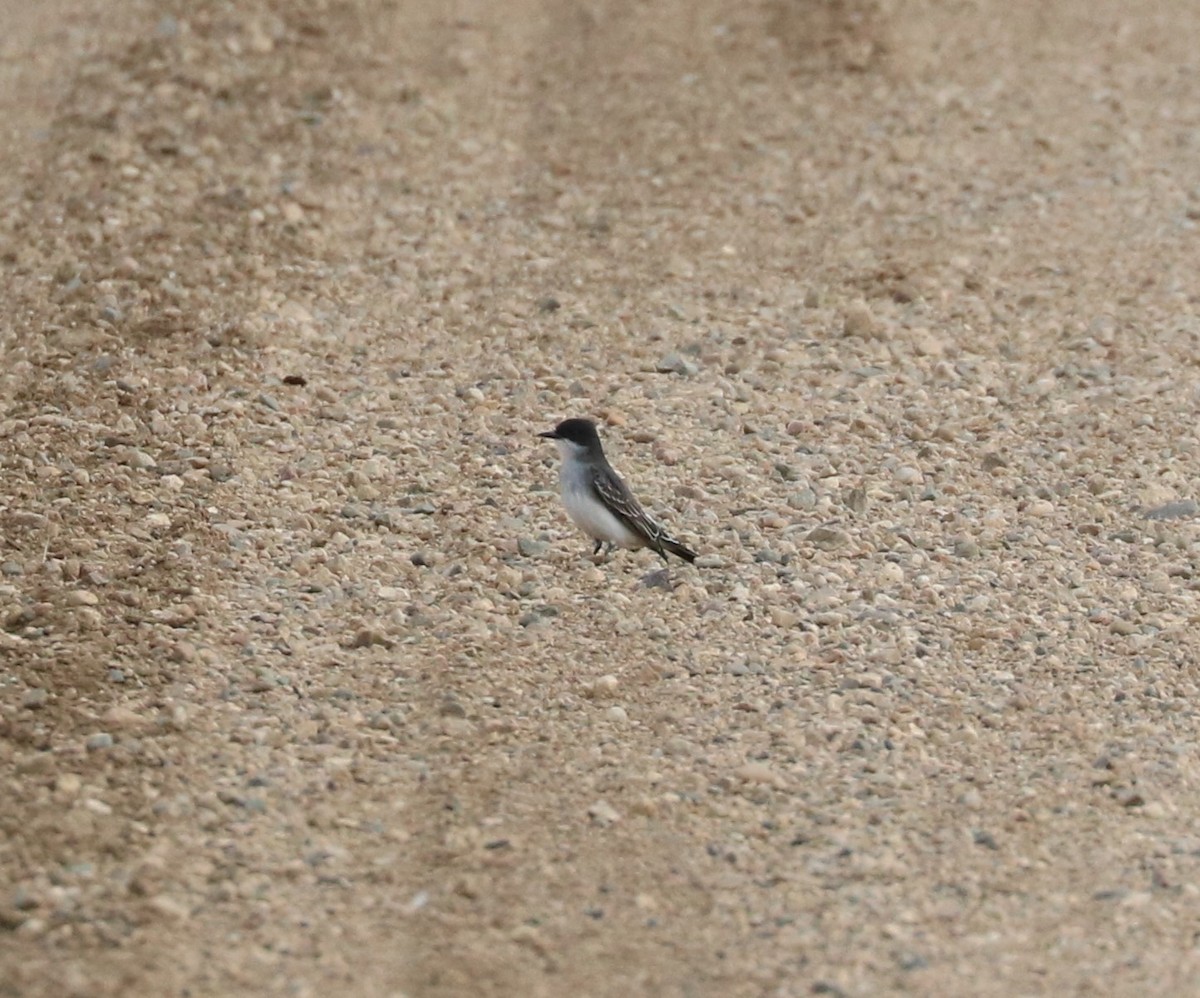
[677, 549]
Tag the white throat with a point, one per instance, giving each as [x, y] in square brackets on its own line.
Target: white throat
[568, 450]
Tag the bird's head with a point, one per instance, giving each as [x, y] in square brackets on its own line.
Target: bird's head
[574, 436]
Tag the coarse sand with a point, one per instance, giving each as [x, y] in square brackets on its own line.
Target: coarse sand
[308, 686]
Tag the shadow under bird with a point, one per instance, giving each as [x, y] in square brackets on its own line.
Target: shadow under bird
[598, 500]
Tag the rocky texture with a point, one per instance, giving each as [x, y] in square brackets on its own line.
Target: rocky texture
[308, 685]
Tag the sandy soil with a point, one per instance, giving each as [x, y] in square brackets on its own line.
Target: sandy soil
[307, 686]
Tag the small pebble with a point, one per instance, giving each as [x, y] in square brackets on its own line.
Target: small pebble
[805, 499]
[35, 699]
[984, 838]
[139, 459]
[99, 741]
[761, 773]
[603, 688]
[27, 520]
[121, 718]
[858, 320]
[528, 547]
[966, 548]
[170, 908]
[1173, 511]
[68, 784]
[827, 538]
[369, 637]
[451, 707]
[993, 462]
[658, 579]
[674, 363]
[603, 814]
[856, 499]
[782, 617]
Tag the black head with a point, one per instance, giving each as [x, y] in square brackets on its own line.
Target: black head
[581, 432]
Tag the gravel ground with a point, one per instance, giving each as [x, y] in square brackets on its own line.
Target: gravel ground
[308, 686]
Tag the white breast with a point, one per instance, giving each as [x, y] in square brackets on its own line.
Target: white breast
[589, 514]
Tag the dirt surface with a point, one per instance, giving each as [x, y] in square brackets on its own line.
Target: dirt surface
[307, 685]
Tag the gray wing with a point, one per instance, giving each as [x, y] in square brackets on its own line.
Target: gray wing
[626, 508]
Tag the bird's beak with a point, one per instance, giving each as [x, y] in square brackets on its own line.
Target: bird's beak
[549, 435]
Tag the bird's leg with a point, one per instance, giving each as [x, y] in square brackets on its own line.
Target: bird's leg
[605, 546]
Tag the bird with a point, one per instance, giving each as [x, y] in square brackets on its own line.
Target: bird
[598, 500]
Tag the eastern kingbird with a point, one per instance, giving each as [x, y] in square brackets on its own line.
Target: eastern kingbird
[597, 498]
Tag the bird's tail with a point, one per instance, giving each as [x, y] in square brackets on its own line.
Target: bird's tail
[677, 549]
